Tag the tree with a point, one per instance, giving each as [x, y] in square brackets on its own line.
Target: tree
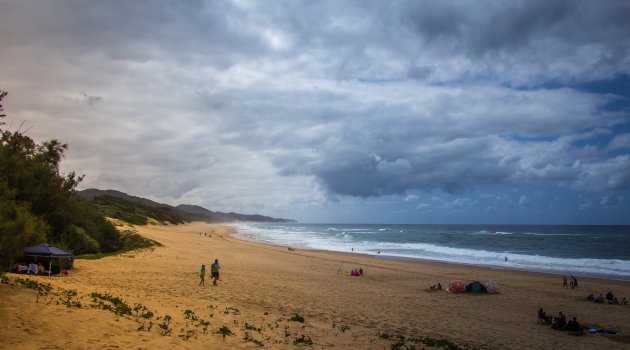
[38, 203]
[19, 228]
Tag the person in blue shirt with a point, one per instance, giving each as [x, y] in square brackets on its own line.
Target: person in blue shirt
[214, 271]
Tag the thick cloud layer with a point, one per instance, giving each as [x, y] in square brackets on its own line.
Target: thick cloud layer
[266, 106]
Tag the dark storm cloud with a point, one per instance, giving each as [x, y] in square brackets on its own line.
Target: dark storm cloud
[357, 98]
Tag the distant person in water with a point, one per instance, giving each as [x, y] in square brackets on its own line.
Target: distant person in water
[506, 259]
[214, 270]
[202, 275]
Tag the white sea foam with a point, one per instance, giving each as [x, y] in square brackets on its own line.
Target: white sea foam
[339, 239]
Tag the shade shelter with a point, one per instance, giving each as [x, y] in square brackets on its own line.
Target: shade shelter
[492, 286]
[457, 286]
[47, 252]
[476, 287]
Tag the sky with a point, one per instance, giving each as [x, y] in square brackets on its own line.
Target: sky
[488, 112]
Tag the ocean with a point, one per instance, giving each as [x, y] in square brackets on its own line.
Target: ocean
[594, 251]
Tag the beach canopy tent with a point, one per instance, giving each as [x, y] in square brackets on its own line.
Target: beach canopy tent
[46, 252]
[492, 286]
[457, 286]
[476, 287]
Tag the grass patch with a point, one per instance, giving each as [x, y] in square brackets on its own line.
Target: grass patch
[401, 342]
[41, 288]
[225, 331]
[132, 241]
[304, 339]
[142, 311]
[297, 318]
[232, 310]
[106, 301]
[251, 327]
[164, 325]
[196, 320]
[69, 295]
[248, 338]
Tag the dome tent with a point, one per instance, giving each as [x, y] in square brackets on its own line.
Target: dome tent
[457, 286]
[476, 287]
[493, 287]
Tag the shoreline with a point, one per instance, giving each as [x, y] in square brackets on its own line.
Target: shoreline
[263, 287]
[249, 238]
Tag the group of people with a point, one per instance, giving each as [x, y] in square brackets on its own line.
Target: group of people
[610, 298]
[436, 287]
[31, 268]
[356, 272]
[560, 322]
[214, 273]
[573, 283]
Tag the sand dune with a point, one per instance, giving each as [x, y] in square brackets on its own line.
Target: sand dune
[262, 287]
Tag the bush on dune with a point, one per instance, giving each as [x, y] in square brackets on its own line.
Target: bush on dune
[38, 202]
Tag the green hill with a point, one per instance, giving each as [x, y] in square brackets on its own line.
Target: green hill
[137, 210]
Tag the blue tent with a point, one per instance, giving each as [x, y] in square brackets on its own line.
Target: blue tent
[48, 252]
[476, 287]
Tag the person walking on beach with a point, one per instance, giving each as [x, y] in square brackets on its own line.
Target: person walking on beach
[564, 282]
[573, 282]
[214, 270]
[202, 275]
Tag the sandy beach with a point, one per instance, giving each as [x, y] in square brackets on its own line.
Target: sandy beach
[265, 292]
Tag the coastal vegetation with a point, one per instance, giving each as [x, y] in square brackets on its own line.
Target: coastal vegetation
[134, 213]
[191, 326]
[37, 201]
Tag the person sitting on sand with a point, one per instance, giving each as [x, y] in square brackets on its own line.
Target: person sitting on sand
[610, 297]
[439, 286]
[542, 317]
[590, 297]
[573, 325]
[600, 299]
[559, 322]
[214, 271]
[623, 301]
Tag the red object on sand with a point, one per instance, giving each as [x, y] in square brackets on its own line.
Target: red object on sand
[457, 286]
